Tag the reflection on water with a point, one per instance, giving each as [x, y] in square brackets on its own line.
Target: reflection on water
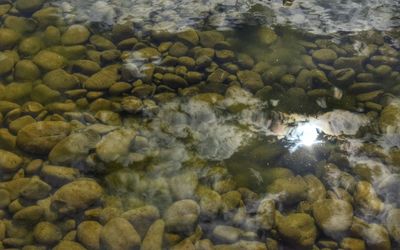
[199, 125]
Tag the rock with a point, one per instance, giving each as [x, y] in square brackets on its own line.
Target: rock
[30, 46]
[174, 81]
[86, 67]
[250, 80]
[17, 91]
[68, 245]
[60, 80]
[226, 234]
[389, 120]
[88, 233]
[367, 200]
[31, 214]
[142, 218]
[114, 147]
[5, 200]
[182, 216]
[28, 6]
[6, 63]
[74, 148]
[266, 35]
[356, 63]
[183, 185]
[76, 195]
[7, 140]
[178, 49]
[57, 176]
[324, 56]
[370, 96]
[289, 190]
[298, 229]
[146, 54]
[48, 60]
[102, 43]
[342, 77]
[14, 186]
[47, 16]
[20, 122]
[265, 216]
[9, 162]
[103, 79]
[334, 217]
[209, 39]
[132, 104]
[210, 202]
[375, 236]
[43, 94]
[364, 87]
[188, 36]
[41, 137]
[35, 189]
[9, 38]
[75, 34]
[26, 70]
[154, 236]
[47, 233]
[316, 190]
[119, 234]
[352, 244]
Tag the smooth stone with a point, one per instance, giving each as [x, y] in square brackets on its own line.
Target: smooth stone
[31, 214]
[174, 81]
[115, 146]
[6, 63]
[28, 6]
[363, 87]
[226, 234]
[30, 46]
[48, 60]
[154, 236]
[57, 176]
[43, 94]
[182, 216]
[188, 36]
[47, 233]
[68, 245]
[329, 212]
[41, 137]
[60, 80]
[86, 67]
[26, 70]
[17, 91]
[298, 229]
[324, 55]
[250, 80]
[142, 218]
[88, 233]
[119, 234]
[9, 38]
[35, 189]
[103, 79]
[76, 195]
[9, 162]
[289, 190]
[209, 39]
[75, 34]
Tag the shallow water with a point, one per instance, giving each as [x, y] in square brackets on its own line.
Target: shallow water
[199, 124]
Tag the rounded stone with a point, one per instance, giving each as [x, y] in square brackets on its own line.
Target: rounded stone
[9, 162]
[41, 137]
[60, 80]
[334, 217]
[47, 233]
[298, 229]
[324, 55]
[28, 6]
[182, 216]
[48, 60]
[119, 234]
[75, 34]
[26, 70]
[88, 233]
[8, 38]
[76, 195]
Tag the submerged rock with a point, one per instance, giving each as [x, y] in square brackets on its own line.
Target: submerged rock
[76, 196]
[334, 217]
[119, 234]
[182, 216]
[298, 229]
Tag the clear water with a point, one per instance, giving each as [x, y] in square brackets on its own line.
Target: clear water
[283, 134]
